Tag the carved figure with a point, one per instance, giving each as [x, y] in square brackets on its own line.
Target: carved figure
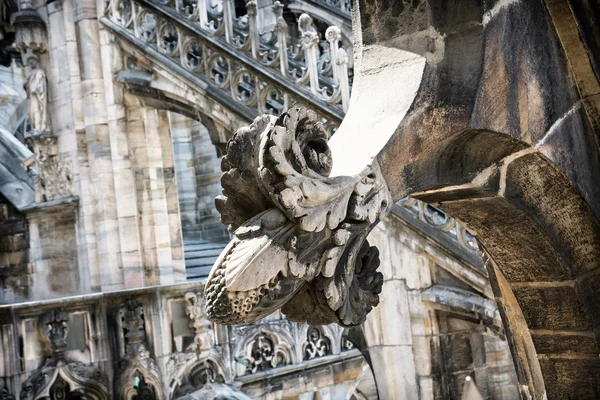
[53, 328]
[299, 235]
[198, 322]
[35, 86]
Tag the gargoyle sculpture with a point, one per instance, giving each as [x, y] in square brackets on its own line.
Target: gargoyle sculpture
[299, 235]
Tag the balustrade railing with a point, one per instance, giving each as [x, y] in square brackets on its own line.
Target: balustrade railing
[344, 7]
[273, 70]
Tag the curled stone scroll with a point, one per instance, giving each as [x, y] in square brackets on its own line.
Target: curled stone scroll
[299, 235]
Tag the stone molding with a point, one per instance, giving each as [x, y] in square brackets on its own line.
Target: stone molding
[114, 314]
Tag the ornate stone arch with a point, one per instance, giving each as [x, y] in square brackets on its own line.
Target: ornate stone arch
[66, 380]
[139, 380]
[191, 371]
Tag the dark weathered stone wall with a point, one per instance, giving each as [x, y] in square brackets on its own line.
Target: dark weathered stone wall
[507, 115]
[14, 256]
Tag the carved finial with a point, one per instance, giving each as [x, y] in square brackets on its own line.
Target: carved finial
[26, 4]
[53, 328]
[138, 374]
[299, 236]
[333, 33]
[309, 36]
[280, 21]
[198, 322]
[134, 333]
[251, 8]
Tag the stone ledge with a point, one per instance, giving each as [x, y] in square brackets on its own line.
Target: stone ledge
[53, 207]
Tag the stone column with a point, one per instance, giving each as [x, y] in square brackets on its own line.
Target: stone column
[145, 127]
[53, 241]
[67, 120]
[388, 327]
[181, 128]
[97, 136]
[172, 197]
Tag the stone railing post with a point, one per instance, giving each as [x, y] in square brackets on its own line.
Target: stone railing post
[282, 32]
[333, 36]
[310, 43]
[342, 67]
[339, 61]
[253, 28]
[228, 16]
[203, 13]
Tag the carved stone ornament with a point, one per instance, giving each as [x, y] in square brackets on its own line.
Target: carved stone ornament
[346, 343]
[53, 328]
[299, 235]
[198, 322]
[316, 345]
[61, 380]
[189, 372]
[54, 175]
[138, 374]
[263, 354]
[37, 94]
[200, 375]
[5, 394]
[134, 334]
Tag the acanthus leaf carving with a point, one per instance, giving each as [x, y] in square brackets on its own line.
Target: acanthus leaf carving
[299, 234]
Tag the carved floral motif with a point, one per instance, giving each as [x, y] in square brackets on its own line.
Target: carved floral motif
[299, 235]
[56, 179]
